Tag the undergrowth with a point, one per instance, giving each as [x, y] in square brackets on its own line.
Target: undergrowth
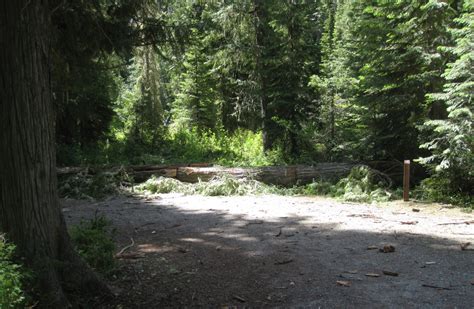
[438, 189]
[93, 241]
[361, 185]
[223, 185]
[12, 277]
[89, 184]
[241, 148]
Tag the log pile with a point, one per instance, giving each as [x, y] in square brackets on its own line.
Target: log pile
[276, 175]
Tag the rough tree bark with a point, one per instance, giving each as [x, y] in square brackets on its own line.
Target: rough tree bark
[30, 213]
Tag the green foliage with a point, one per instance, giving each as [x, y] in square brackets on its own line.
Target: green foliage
[140, 106]
[92, 239]
[223, 185]
[226, 185]
[253, 82]
[12, 276]
[240, 148]
[163, 185]
[363, 185]
[243, 148]
[317, 188]
[451, 140]
[395, 68]
[439, 189]
[340, 129]
[88, 184]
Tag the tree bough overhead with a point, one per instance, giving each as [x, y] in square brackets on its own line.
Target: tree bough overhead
[30, 213]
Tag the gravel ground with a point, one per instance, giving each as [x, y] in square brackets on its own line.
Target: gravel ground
[274, 251]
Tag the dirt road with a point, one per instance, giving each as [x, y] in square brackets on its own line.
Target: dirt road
[274, 251]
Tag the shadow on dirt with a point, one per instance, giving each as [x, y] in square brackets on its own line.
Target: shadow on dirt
[213, 257]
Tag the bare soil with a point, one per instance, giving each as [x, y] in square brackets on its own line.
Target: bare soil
[274, 251]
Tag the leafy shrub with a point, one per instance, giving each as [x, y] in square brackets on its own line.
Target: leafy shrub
[87, 185]
[220, 186]
[223, 185]
[363, 185]
[242, 148]
[12, 276]
[226, 185]
[93, 241]
[317, 188]
[439, 189]
[163, 185]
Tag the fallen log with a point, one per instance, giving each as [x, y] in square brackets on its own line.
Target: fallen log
[276, 175]
[139, 172]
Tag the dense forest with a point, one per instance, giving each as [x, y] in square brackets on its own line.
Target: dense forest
[267, 82]
[238, 83]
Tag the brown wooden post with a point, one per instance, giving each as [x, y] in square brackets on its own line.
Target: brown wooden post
[406, 180]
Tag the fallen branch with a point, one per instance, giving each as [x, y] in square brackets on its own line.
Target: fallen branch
[390, 273]
[125, 248]
[435, 287]
[409, 222]
[254, 222]
[278, 234]
[457, 223]
[284, 262]
[241, 299]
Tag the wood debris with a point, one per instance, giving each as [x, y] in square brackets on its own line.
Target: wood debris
[120, 253]
[130, 256]
[409, 222]
[254, 222]
[457, 223]
[284, 262]
[278, 234]
[387, 249]
[390, 273]
[241, 299]
[343, 283]
[436, 287]
[182, 250]
[351, 272]
[465, 245]
[372, 275]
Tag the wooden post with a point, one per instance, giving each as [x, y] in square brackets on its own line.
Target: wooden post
[406, 180]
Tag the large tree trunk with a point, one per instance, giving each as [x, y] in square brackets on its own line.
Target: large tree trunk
[30, 213]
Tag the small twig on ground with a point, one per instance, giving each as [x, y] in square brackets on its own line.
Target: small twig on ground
[283, 262]
[465, 245]
[126, 248]
[390, 273]
[456, 223]
[146, 224]
[279, 234]
[254, 222]
[435, 287]
[409, 222]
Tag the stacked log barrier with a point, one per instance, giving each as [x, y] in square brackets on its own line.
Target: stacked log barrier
[275, 175]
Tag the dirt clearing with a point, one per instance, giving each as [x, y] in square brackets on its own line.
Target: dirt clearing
[274, 251]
